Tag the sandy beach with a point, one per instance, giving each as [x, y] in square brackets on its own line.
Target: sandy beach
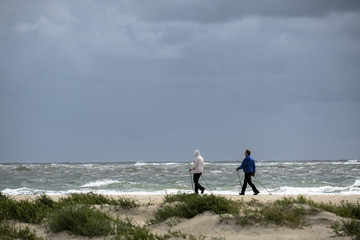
[209, 225]
[157, 199]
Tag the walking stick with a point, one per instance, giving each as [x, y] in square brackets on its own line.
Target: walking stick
[239, 178]
[207, 184]
[263, 185]
[192, 184]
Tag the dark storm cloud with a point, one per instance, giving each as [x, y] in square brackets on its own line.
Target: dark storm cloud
[139, 80]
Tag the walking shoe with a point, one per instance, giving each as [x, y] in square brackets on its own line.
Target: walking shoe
[241, 193]
[202, 191]
[256, 193]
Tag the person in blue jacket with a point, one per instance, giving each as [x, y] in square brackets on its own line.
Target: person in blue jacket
[248, 166]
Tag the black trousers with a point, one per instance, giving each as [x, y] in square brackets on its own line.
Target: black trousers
[197, 184]
[247, 180]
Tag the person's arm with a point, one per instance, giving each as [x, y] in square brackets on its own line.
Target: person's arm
[194, 165]
[242, 164]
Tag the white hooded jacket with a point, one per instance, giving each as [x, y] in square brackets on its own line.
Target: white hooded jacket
[198, 165]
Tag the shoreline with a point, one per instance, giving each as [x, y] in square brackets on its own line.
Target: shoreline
[157, 198]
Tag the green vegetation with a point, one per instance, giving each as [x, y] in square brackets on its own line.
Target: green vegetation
[11, 232]
[78, 215]
[278, 214]
[128, 230]
[347, 228]
[82, 220]
[345, 209]
[25, 211]
[97, 199]
[35, 211]
[75, 214]
[190, 205]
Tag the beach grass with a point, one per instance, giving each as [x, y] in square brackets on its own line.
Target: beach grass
[347, 228]
[80, 215]
[190, 205]
[345, 209]
[283, 215]
[97, 199]
[76, 214]
[10, 231]
[25, 211]
[80, 220]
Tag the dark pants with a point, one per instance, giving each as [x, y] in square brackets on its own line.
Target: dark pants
[197, 184]
[247, 180]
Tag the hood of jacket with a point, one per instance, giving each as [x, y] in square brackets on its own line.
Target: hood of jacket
[196, 153]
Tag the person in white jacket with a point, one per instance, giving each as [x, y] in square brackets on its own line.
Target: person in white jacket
[198, 167]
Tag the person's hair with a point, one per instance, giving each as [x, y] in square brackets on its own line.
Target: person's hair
[248, 152]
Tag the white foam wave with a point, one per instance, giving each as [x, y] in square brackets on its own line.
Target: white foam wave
[324, 190]
[141, 163]
[354, 161]
[356, 183]
[100, 183]
[20, 191]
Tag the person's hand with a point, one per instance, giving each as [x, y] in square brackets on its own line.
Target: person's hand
[237, 169]
[253, 174]
[189, 169]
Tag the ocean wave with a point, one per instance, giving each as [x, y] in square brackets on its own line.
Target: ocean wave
[354, 161]
[141, 163]
[324, 190]
[100, 183]
[356, 184]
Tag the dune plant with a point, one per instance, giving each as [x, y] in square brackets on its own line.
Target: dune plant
[25, 210]
[97, 199]
[11, 232]
[128, 230]
[347, 228]
[80, 220]
[345, 209]
[272, 214]
[190, 205]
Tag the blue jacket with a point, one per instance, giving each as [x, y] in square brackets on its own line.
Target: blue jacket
[248, 165]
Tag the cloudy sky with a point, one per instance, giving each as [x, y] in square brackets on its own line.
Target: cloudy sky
[141, 80]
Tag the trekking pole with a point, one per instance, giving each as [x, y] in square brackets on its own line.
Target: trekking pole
[192, 185]
[262, 185]
[239, 178]
[207, 184]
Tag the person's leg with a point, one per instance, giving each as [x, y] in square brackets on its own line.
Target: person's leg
[245, 184]
[202, 189]
[252, 185]
[196, 181]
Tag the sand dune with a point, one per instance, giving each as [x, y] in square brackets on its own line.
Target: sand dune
[209, 225]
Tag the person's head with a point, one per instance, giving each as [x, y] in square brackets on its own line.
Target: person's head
[247, 152]
[196, 153]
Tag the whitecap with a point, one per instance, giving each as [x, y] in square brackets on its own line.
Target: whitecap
[353, 161]
[99, 183]
[140, 163]
[356, 183]
[324, 190]
[22, 191]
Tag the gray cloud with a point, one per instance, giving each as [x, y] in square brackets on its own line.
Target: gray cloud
[218, 11]
[130, 80]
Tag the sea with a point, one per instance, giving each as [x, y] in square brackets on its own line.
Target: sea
[144, 178]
